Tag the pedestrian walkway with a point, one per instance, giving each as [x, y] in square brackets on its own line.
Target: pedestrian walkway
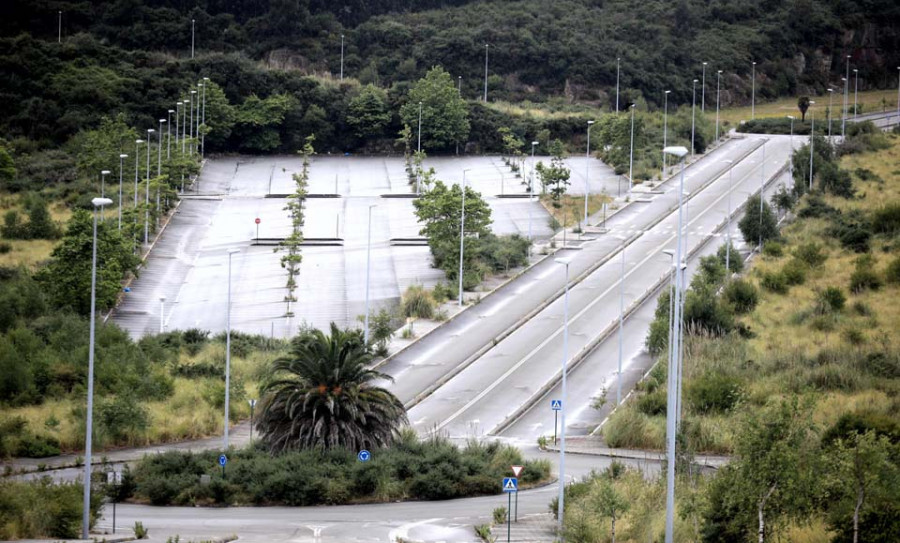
[239, 437]
[537, 528]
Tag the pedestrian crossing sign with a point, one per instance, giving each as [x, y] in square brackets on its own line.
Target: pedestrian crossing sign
[556, 405]
[510, 484]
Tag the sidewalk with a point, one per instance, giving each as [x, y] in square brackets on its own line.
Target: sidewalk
[537, 528]
[239, 436]
[594, 445]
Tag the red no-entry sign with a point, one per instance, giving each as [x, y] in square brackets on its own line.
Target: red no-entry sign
[257, 221]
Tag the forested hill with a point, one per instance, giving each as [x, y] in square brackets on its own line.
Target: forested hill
[537, 48]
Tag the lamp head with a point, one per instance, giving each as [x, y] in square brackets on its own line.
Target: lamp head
[718, 72]
[534, 143]
[590, 123]
[668, 91]
[677, 151]
[233, 251]
[563, 260]
[696, 80]
[162, 298]
[105, 172]
[123, 156]
[139, 141]
[98, 202]
[206, 79]
[193, 91]
[705, 63]
[162, 121]
[171, 111]
[791, 117]
[150, 130]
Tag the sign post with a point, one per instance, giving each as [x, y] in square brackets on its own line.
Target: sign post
[516, 471]
[510, 486]
[222, 461]
[555, 405]
[252, 405]
[257, 229]
[114, 478]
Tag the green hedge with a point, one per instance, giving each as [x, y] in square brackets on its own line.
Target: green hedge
[410, 470]
[42, 509]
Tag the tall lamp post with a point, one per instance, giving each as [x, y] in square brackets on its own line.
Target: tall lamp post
[485, 71]
[342, 57]
[791, 117]
[562, 442]
[830, 101]
[203, 120]
[618, 71]
[150, 132]
[137, 161]
[531, 193]
[812, 142]
[846, 80]
[122, 158]
[462, 236]
[753, 94]
[419, 145]
[718, 80]
[693, 114]
[228, 350]
[162, 314]
[193, 22]
[103, 174]
[621, 325]
[368, 268]
[728, 219]
[631, 153]
[665, 131]
[587, 173]
[762, 196]
[169, 133]
[855, 94]
[703, 91]
[89, 417]
[680, 153]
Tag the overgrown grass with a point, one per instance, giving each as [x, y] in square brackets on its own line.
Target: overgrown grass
[871, 103]
[845, 357]
[571, 208]
[42, 509]
[29, 253]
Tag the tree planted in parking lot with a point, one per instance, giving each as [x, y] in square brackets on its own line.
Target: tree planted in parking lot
[445, 116]
[440, 210]
[323, 394]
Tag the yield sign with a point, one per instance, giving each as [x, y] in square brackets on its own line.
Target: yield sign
[517, 470]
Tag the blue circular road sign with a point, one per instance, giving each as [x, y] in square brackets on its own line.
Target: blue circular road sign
[223, 460]
[364, 455]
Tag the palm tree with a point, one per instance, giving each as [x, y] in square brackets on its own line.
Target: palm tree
[322, 395]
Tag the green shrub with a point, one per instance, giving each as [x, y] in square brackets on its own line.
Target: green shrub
[5, 247]
[417, 303]
[794, 272]
[864, 275]
[812, 254]
[741, 295]
[860, 422]
[713, 392]
[773, 249]
[886, 219]
[892, 273]
[735, 262]
[652, 403]
[121, 419]
[816, 207]
[853, 230]
[499, 515]
[42, 509]
[774, 282]
[830, 300]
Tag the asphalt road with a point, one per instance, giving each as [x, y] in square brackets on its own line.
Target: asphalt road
[512, 373]
[435, 358]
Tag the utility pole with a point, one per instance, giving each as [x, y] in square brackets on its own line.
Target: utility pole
[485, 71]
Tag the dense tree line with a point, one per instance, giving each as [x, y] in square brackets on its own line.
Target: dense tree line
[536, 49]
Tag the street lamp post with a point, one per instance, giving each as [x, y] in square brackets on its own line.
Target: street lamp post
[193, 114]
[162, 314]
[791, 117]
[530, 193]
[203, 120]
[228, 350]
[830, 101]
[122, 158]
[368, 269]
[703, 90]
[89, 418]
[103, 174]
[59, 40]
[665, 131]
[618, 71]
[485, 71]
[621, 323]
[812, 142]
[462, 236]
[718, 79]
[587, 174]
[753, 94]
[846, 80]
[680, 153]
[419, 145]
[159, 149]
[728, 219]
[855, 94]
[177, 122]
[184, 114]
[693, 114]
[169, 134]
[762, 186]
[631, 153]
[193, 21]
[562, 442]
[342, 57]
[150, 131]
[137, 161]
